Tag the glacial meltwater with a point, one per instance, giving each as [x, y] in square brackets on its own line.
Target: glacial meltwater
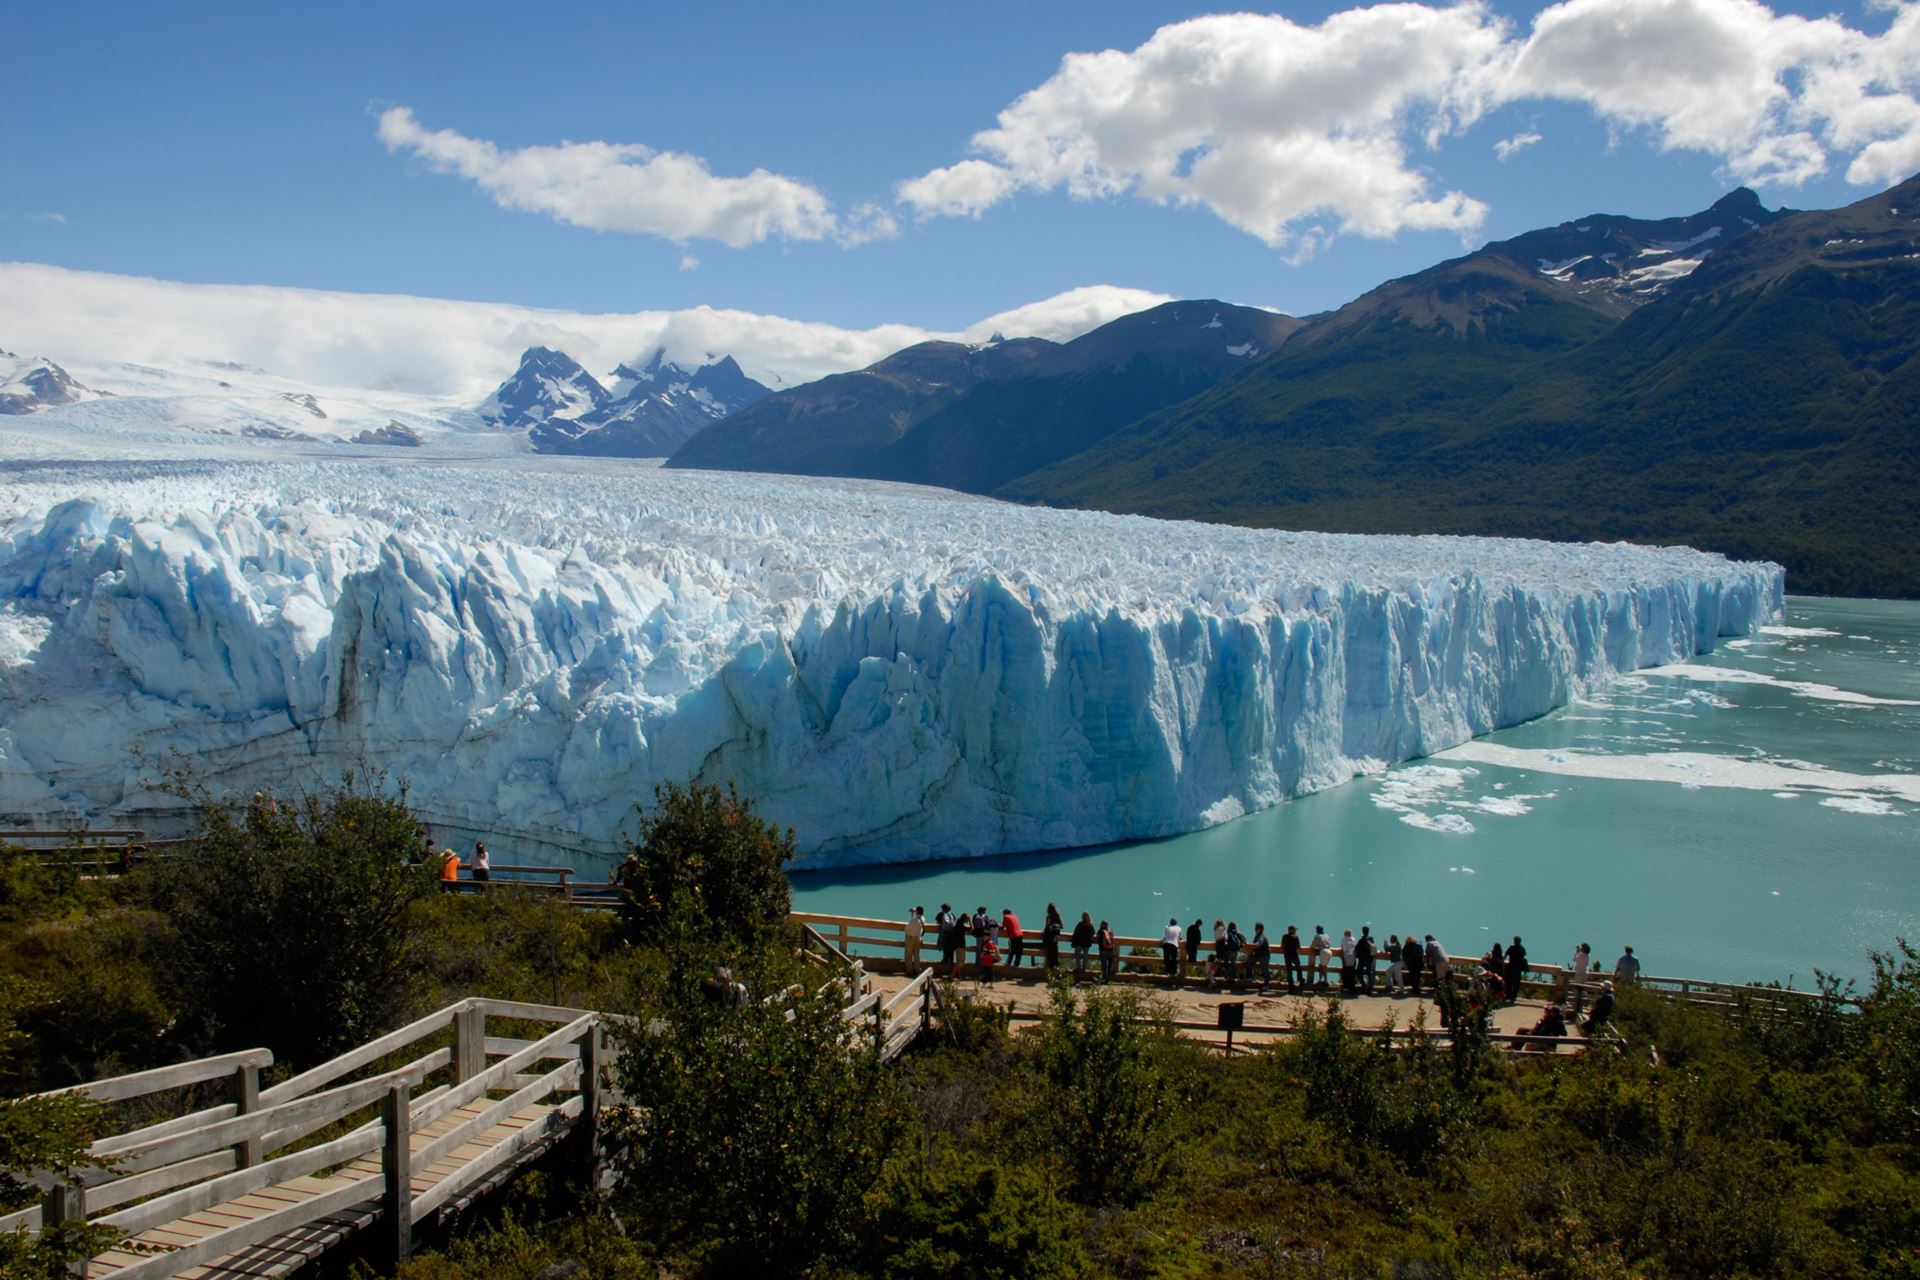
[1752, 814]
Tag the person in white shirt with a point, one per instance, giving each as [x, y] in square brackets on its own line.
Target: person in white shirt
[1396, 965]
[1349, 967]
[1321, 947]
[1170, 950]
[482, 864]
[916, 929]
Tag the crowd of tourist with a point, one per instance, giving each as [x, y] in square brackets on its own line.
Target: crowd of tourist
[1227, 959]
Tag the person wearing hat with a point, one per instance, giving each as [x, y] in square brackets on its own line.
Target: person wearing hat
[1602, 1010]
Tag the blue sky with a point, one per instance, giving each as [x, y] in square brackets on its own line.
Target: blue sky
[239, 144]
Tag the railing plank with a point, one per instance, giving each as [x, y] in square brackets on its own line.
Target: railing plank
[178, 1204]
[423, 1066]
[139, 1185]
[233, 1239]
[366, 1054]
[467, 1130]
[530, 1012]
[141, 1083]
[478, 1168]
[478, 1087]
[325, 1107]
[501, 1046]
[165, 1129]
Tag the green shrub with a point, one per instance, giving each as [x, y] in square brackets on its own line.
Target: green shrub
[294, 923]
[757, 1128]
[705, 864]
[1109, 1093]
[968, 1218]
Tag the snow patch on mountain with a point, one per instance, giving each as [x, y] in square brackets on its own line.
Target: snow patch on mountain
[898, 673]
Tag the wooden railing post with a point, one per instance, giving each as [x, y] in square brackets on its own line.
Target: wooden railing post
[66, 1200]
[469, 1043]
[246, 1099]
[396, 1171]
[566, 883]
[592, 1056]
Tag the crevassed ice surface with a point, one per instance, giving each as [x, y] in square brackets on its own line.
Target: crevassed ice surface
[897, 673]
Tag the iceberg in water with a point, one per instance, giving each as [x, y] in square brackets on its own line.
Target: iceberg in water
[897, 673]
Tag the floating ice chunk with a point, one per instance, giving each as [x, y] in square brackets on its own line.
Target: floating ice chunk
[1699, 768]
[1858, 804]
[1801, 688]
[1797, 631]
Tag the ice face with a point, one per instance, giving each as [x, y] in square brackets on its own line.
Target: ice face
[533, 644]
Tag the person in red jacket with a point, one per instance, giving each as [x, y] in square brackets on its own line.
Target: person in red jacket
[1016, 941]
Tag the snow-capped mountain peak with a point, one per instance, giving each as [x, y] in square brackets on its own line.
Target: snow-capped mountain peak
[654, 406]
[548, 384]
[32, 385]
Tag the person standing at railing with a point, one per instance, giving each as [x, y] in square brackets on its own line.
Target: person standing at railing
[1580, 966]
[947, 928]
[1627, 967]
[1290, 954]
[1516, 968]
[1349, 963]
[1082, 943]
[989, 954]
[449, 871]
[1217, 958]
[1260, 956]
[1415, 956]
[1109, 952]
[1319, 949]
[1363, 955]
[1016, 940]
[1396, 964]
[1193, 945]
[1438, 962]
[981, 926]
[1050, 938]
[1170, 950]
[916, 929]
[482, 864]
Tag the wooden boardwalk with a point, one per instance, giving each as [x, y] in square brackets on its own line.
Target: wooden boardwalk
[399, 1132]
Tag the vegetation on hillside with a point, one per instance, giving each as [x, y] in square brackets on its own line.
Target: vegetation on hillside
[1097, 1143]
[1777, 424]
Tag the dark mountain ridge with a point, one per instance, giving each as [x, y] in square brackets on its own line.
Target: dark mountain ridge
[975, 417]
[1765, 402]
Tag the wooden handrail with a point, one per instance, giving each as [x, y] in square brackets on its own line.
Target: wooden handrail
[141, 1083]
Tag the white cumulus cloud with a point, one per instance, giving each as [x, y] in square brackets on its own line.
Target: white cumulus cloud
[459, 350]
[614, 186]
[1292, 132]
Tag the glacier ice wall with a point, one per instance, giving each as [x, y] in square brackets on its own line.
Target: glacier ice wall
[899, 674]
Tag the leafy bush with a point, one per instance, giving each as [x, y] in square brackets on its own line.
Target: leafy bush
[973, 1219]
[1110, 1092]
[1411, 1102]
[294, 923]
[757, 1128]
[705, 864]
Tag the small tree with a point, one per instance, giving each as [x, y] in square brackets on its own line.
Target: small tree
[40, 1134]
[705, 862]
[293, 922]
[1110, 1093]
[758, 1127]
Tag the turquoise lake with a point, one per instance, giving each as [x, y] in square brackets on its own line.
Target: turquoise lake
[1752, 815]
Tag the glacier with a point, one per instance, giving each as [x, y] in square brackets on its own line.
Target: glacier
[897, 673]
